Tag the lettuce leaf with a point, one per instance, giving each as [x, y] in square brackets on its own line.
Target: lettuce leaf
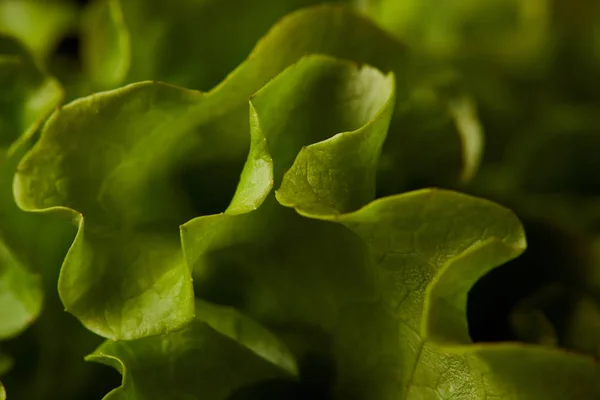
[209, 359]
[135, 163]
[307, 265]
[377, 295]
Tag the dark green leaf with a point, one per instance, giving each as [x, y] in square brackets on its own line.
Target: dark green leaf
[375, 297]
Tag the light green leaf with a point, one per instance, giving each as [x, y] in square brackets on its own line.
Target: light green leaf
[311, 101]
[136, 162]
[410, 159]
[368, 302]
[429, 248]
[377, 295]
[209, 359]
[137, 137]
[293, 105]
[325, 171]
[419, 243]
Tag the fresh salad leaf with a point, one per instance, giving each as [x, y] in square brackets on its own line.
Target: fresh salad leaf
[210, 359]
[280, 235]
[145, 24]
[136, 189]
[447, 240]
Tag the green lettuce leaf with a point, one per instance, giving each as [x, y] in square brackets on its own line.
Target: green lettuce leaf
[362, 93]
[128, 252]
[374, 300]
[209, 359]
[149, 26]
[359, 309]
[135, 163]
[288, 115]
[332, 285]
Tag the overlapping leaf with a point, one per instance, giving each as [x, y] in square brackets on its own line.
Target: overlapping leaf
[531, 67]
[358, 94]
[152, 28]
[211, 358]
[373, 299]
[138, 161]
[370, 297]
